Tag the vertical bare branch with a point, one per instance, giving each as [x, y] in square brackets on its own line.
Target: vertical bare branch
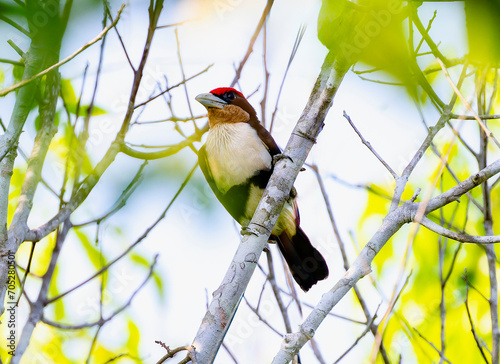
[369, 318]
[263, 102]
[472, 328]
[298, 39]
[249, 51]
[43, 52]
[484, 136]
[36, 307]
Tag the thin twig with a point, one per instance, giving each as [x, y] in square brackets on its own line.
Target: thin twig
[469, 117]
[141, 238]
[262, 319]
[171, 118]
[65, 60]
[365, 331]
[171, 352]
[103, 320]
[468, 106]
[345, 259]
[434, 48]
[174, 24]
[172, 87]
[298, 40]
[263, 102]
[195, 137]
[9, 61]
[249, 51]
[488, 219]
[429, 26]
[441, 354]
[385, 320]
[119, 38]
[15, 25]
[276, 291]
[369, 146]
[121, 200]
[184, 84]
[443, 119]
[463, 238]
[472, 328]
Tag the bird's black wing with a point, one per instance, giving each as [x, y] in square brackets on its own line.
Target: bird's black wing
[265, 136]
[235, 199]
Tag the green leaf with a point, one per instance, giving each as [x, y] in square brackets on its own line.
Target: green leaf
[159, 286]
[58, 306]
[139, 260]
[133, 338]
[16, 182]
[96, 110]
[68, 95]
[17, 72]
[93, 254]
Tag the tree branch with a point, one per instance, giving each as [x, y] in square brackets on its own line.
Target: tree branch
[195, 137]
[463, 238]
[391, 224]
[468, 106]
[472, 328]
[19, 226]
[126, 251]
[88, 184]
[357, 292]
[103, 320]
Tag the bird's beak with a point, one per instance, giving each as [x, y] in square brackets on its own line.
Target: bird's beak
[209, 100]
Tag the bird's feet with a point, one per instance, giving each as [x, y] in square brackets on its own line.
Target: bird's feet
[278, 157]
[245, 230]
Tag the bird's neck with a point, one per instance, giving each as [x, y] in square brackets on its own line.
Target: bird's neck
[230, 114]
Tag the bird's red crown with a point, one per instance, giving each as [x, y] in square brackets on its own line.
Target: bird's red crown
[222, 90]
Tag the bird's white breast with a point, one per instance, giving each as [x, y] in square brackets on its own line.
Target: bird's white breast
[235, 153]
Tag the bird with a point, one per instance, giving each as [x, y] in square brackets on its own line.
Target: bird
[237, 162]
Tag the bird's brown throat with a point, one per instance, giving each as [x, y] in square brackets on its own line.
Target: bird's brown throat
[230, 114]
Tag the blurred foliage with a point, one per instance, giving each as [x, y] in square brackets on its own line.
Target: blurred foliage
[369, 31]
[483, 31]
[15, 190]
[93, 254]
[71, 103]
[17, 73]
[9, 8]
[145, 263]
[416, 320]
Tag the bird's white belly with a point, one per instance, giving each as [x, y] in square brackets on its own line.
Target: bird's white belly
[235, 153]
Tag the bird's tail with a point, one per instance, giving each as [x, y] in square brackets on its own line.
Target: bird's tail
[305, 262]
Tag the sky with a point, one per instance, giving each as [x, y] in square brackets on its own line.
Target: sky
[196, 241]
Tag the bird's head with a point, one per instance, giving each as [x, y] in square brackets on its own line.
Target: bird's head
[227, 105]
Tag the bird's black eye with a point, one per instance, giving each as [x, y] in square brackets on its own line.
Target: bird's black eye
[230, 95]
